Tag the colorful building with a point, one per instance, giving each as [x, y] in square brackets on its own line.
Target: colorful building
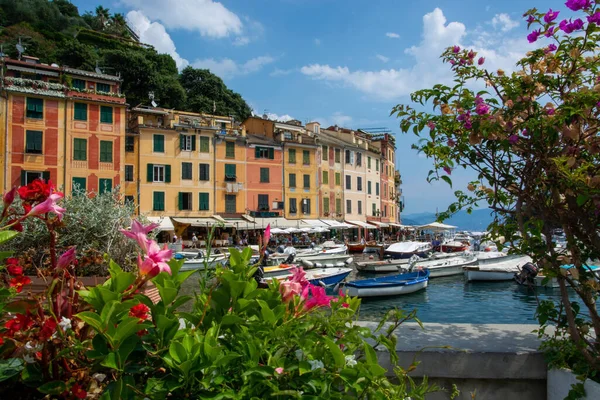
[331, 171]
[264, 177]
[386, 143]
[62, 124]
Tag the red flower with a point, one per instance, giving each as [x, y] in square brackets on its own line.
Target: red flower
[18, 282]
[78, 391]
[15, 270]
[18, 323]
[139, 311]
[36, 191]
[48, 329]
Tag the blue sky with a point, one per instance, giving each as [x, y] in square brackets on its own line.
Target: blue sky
[338, 62]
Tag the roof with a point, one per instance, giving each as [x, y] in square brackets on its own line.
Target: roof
[89, 74]
[259, 139]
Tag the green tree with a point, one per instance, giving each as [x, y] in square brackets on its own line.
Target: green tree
[76, 55]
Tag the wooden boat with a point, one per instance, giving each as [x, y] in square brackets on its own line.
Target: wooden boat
[445, 266]
[373, 247]
[393, 285]
[408, 249]
[452, 246]
[356, 247]
[501, 268]
[377, 267]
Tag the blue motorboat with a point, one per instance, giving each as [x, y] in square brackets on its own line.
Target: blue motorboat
[392, 285]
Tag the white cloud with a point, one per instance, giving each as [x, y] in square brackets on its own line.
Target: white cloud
[426, 68]
[382, 58]
[227, 68]
[154, 33]
[273, 116]
[241, 41]
[209, 18]
[392, 35]
[318, 42]
[503, 22]
[282, 72]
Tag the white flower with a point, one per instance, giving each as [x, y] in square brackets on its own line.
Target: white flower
[65, 324]
[31, 347]
[316, 364]
[99, 377]
[29, 359]
[350, 361]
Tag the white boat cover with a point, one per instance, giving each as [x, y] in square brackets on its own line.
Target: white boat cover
[362, 224]
[408, 247]
[511, 263]
[436, 226]
[164, 223]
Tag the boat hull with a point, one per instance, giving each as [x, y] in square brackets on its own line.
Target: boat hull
[399, 256]
[384, 292]
[445, 266]
[478, 275]
[327, 276]
[379, 268]
[356, 247]
[200, 265]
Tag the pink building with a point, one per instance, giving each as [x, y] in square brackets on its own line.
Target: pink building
[264, 190]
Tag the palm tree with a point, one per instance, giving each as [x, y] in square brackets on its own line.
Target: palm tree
[102, 16]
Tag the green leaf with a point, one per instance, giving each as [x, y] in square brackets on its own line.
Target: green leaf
[122, 281]
[10, 367]
[338, 355]
[20, 306]
[167, 294]
[266, 312]
[231, 319]
[126, 348]
[226, 359]
[127, 327]
[5, 236]
[54, 387]
[370, 354]
[447, 180]
[177, 351]
[92, 319]
[582, 199]
[5, 254]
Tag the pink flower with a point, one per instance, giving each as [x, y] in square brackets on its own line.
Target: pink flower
[530, 19]
[577, 5]
[482, 109]
[513, 139]
[289, 289]
[159, 257]
[551, 47]
[67, 258]
[447, 170]
[9, 197]
[481, 61]
[298, 275]
[533, 36]
[594, 18]
[550, 16]
[279, 370]
[451, 143]
[147, 268]
[318, 297]
[266, 238]
[431, 125]
[48, 205]
[455, 49]
[550, 31]
[550, 111]
[136, 228]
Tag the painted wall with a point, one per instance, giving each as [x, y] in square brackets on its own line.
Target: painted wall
[299, 192]
[254, 187]
[223, 188]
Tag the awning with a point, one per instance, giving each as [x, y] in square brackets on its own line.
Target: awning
[397, 225]
[240, 224]
[362, 224]
[380, 224]
[315, 223]
[164, 223]
[436, 226]
[201, 222]
[331, 223]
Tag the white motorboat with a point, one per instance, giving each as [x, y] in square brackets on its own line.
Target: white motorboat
[324, 260]
[496, 268]
[485, 255]
[445, 266]
[377, 267]
[320, 276]
[201, 263]
[408, 249]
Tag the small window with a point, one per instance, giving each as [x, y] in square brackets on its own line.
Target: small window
[33, 142]
[106, 151]
[230, 173]
[306, 206]
[35, 108]
[105, 185]
[359, 206]
[306, 157]
[287, 135]
[80, 112]
[129, 173]
[29, 176]
[186, 170]
[204, 144]
[348, 182]
[264, 175]
[376, 188]
[159, 173]
[369, 162]
[78, 84]
[338, 179]
[80, 149]
[106, 115]
[359, 183]
[359, 159]
[230, 203]
[204, 172]
[338, 206]
[129, 144]
[376, 164]
[264, 152]
[263, 202]
[158, 143]
[204, 202]
[326, 205]
[324, 153]
[368, 187]
[158, 201]
[292, 156]
[373, 210]
[338, 155]
[325, 177]
[79, 185]
[292, 181]
[102, 88]
[185, 201]
[348, 157]
[306, 181]
[129, 200]
[229, 149]
[348, 206]
[293, 207]
[187, 142]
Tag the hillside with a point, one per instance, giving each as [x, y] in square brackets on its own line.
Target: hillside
[478, 220]
[55, 32]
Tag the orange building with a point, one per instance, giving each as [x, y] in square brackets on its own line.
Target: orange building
[264, 178]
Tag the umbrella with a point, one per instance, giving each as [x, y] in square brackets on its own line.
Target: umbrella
[277, 230]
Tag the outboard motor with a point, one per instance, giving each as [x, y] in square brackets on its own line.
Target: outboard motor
[289, 259]
[527, 274]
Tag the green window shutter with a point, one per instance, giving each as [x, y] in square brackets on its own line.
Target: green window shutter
[33, 142]
[271, 153]
[264, 175]
[257, 152]
[180, 201]
[78, 84]
[306, 181]
[292, 156]
[326, 205]
[292, 180]
[106, 151]
[23, 178]
[102, 88]
[325, 177]
[79, 185]
[306, 157]
[167, 174]
[80, 112]
[158, 201]
[338, 206]
[338, 179]
[204, 144]
[106, 115]
[105, 185]
[158, 143]
[181, 141]
[230, 149]
[368, 187]
[204, 206]
[324, 153]
[376, 165]
[193, 142]
[35, 108]
[150, 172]
[80, 149]
[204, 172]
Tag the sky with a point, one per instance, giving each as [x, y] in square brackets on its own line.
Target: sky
[337, 62]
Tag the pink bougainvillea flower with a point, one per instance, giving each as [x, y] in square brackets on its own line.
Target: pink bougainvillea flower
[549, 32]
[279, 370]
[551, 16]
[455, 49]
[533, 36]
[431, 125]
[594, 18]
[513, 139]
[481, 61]
[9, 197]
[577, 5]
[530, 19]
[67, 258]
[318, 297]
[47, 206]
[551, 47]
[158, 257]
[139, 311]
[451, 143]
[447, 170]
[289, 289]
[568, 27]
[482, 109]
[550, 111]
[18, 282]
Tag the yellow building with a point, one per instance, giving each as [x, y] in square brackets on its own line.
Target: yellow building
[230, 171]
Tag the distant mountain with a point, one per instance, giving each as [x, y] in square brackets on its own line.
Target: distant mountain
[478, 220]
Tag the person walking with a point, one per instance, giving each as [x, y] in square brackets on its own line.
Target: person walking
[194, 240]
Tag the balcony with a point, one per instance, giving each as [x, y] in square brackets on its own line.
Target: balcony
[104, 166]
[78, 164]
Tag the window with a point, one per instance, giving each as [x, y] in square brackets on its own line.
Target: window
[359, 207]
[185, 201]
[204, 202]
[358, 159]
[306, 181]
[349, 157]
[263, 202]
[79, 185]
[293, 209]
[348, 206]
[338, 155]
[326, 205]
[129, 200]
[187, 142]
[369, 162]
[338, 179]
[106, 115]
[306, 206]
[158, 143]
[204, 172]
[33, 142]
[264, 175]
[385, 191]
[80, 112]
[385, 211]
[376, 188]
[29, 176]
[102, 88]
[374, 212]
[316, 129]
[325, 177]
[78, 84]
[348, 182]
[287, 135]
[204, 144]
[292, 180]
[106, 151]
[158, 201]
[80, 149]
[230, 174]
[129, 173]
[35, 108]
[338, 206]
[230, 203]
[230, 149]
[264, 152]
[368, 187]
[104, 185]
[292, 156]
[306, 157]
[376, 164]
[129, 144]
[324, 153]
[186, 170]
[359, 183]
[159, 173]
